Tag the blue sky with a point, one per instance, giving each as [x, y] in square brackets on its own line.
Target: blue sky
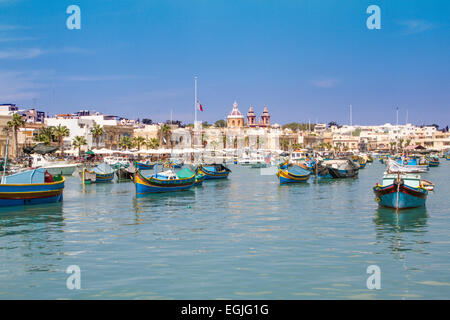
[307, 60]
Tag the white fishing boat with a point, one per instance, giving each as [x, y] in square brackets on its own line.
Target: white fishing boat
[54, 167]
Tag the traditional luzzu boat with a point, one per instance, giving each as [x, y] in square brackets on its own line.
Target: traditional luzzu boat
[124, 172]
[214, 171]
[147, 165]
[284, 165]
[447, 157]
[35, 186]
[101, 173]
[293, 174]
[166, 181]
[433, 161]
[337, 169]
[400, 191]
[199, 178]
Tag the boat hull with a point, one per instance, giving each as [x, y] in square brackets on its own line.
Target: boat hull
[124, 174]
[99, 177]
[25, 194]
[144, 166]
[210, 175]
[286, 177]
[152, 185]
[406, 197]
[64, 171]
[199, 180]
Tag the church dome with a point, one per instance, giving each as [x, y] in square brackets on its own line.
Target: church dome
[235, 113]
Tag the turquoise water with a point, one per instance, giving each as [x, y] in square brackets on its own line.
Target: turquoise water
[242, 238]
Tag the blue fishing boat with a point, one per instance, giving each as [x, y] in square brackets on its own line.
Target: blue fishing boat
[284, 165]
[400, 191]
[199, 180]
[101, 173]
[214, 171]
[433, 161]
[167, 181]
[293, 174]
[31, 187]
[147, 165]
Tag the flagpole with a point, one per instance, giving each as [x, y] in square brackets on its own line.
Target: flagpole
[195, 102]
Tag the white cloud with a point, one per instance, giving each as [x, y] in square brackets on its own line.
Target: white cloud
[30, 53]
[21, 54]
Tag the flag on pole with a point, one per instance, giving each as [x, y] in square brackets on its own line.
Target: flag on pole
[199, 106]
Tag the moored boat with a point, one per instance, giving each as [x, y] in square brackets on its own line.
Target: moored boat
[144, 165]
[125, 172]
[167, 181]
[199, 178]
[31, 187]
[338, 168]
[101, 173]
[53, 167]
[293, 174]
[214, 171]
[433, 161]
[400, 191]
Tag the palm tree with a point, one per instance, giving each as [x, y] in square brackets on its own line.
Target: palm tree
[152, 143]
[46, 135]
[138, 142]
[408, 142]
[125, 142]
[164, 134]
[285, 144]
[15, 123]
[78, 142]
[97, 131]
[61, 132]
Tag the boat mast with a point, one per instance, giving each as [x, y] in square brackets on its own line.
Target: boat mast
[6, 159]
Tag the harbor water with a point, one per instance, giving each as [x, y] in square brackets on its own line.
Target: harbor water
[246, 237]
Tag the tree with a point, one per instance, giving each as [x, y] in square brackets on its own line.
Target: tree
[97, 131]
[152, 143]
[138, 142]
[296, 146]
[78, 142]
[15, 123]
[125, 142]
[164, 134]
[60, 132]
[45, 135]
[408, 142]
[400, 143]
[284, 144]
[220, 124]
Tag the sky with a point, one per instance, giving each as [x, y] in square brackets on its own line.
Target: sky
[307, 60]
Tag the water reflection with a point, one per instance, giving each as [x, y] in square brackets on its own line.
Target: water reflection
[11, 217]
[31, 232]
[403, 230]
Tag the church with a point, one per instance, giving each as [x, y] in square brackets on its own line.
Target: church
[236, 119]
